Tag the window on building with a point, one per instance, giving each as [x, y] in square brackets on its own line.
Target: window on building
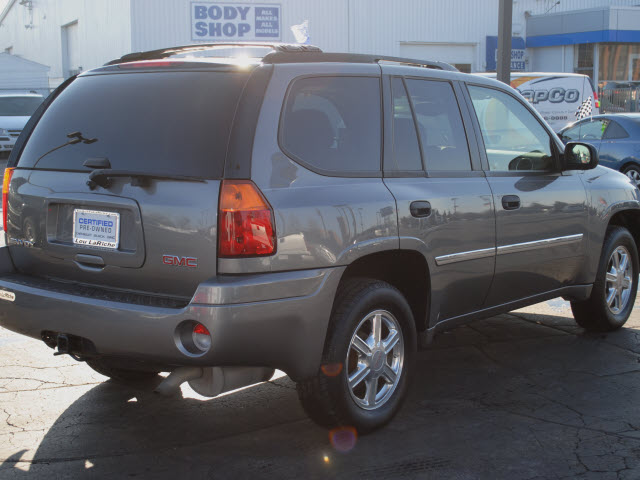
[583, 59]
[333, 123]
[444, 142]
[619, 62]
[513, 137]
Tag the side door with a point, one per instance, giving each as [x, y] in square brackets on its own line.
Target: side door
[541, 212]
[444, 203]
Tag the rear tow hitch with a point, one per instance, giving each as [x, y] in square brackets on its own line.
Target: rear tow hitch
[76, 347]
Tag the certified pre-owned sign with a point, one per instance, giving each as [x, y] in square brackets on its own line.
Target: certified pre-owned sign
[234, 21]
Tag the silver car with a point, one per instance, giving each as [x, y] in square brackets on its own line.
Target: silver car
[15, 111]
[318, 213]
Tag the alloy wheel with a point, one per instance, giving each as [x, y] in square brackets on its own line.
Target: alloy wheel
[618, 280]
[375, 359]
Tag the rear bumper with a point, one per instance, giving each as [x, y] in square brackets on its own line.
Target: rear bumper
[276, 320]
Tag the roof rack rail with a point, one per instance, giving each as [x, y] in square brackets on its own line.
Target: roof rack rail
[319, 56]
[201, 47]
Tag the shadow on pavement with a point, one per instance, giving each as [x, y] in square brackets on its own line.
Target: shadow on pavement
[515, 396]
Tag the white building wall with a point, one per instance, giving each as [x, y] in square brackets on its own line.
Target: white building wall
[385, 27]
[548, 59]
[104, 32]
[18, 75]
[108, 29]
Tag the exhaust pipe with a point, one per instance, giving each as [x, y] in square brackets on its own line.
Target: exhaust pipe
[170, 385]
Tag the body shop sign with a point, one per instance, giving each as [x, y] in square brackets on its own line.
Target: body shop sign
[234, 21]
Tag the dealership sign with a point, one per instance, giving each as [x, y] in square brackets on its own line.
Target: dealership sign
[517, 53]
[235, 21]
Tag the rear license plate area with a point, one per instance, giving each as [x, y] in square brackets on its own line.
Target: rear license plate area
[96, 228]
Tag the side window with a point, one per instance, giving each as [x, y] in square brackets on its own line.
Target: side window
[513, 137]
[593, 129]
[406, 151]
[444, 141]
[572, 134]
[333, 123]
[615, 130]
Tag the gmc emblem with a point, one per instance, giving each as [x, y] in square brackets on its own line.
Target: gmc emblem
[180, 261]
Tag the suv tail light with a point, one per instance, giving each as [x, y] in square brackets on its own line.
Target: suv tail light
[246, 227]
[8, 173]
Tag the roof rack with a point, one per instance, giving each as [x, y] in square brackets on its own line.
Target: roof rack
[284, 53]
[319, 56]
[201, 47]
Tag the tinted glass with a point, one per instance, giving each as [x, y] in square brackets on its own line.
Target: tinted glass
[444, 142]
[615, 130]
[333, 123]
[406, 151]
[173, 123]
[592, 129]
[18, 106]
[513, 137]
[571, 134]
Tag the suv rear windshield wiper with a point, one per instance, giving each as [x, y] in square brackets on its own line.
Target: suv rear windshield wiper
[101, 177]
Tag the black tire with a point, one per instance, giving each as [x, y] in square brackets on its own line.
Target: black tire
[327, 397]
[121, 375]
[633, 172]
[594, 313]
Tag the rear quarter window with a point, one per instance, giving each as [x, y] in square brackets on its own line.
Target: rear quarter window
[332, 124]
[169, 122]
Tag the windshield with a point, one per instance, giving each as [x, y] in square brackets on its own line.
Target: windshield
[18, 106]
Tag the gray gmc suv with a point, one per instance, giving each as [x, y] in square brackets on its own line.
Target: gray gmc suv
[221, 211]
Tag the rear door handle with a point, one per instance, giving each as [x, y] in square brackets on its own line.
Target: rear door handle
[420, 209]
[511, 202]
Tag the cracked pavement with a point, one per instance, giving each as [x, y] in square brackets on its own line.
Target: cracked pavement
[526, 395]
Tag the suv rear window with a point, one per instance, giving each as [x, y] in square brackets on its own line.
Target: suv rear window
[169, 122]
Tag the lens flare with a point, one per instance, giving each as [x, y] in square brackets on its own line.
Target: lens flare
[331, 369]
[343, 439]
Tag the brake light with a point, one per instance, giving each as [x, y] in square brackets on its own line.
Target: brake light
[8, 173]
[245, 224]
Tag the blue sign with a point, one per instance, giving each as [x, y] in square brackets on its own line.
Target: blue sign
[517, 53]
[234, 21]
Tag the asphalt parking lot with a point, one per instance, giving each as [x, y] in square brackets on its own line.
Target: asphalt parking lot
[526, 395]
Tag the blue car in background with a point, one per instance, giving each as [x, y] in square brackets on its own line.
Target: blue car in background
[616, 136]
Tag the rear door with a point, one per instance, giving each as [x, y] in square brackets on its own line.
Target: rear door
[445, 207]
[151, 227]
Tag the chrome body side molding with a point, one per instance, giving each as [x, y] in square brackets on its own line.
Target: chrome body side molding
[506, 249]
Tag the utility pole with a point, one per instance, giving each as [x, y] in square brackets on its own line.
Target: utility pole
[504, 41]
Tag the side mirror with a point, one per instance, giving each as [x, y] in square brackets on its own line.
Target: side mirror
[579, 156]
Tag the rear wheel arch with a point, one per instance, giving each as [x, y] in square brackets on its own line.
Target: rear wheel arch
[406, 270]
